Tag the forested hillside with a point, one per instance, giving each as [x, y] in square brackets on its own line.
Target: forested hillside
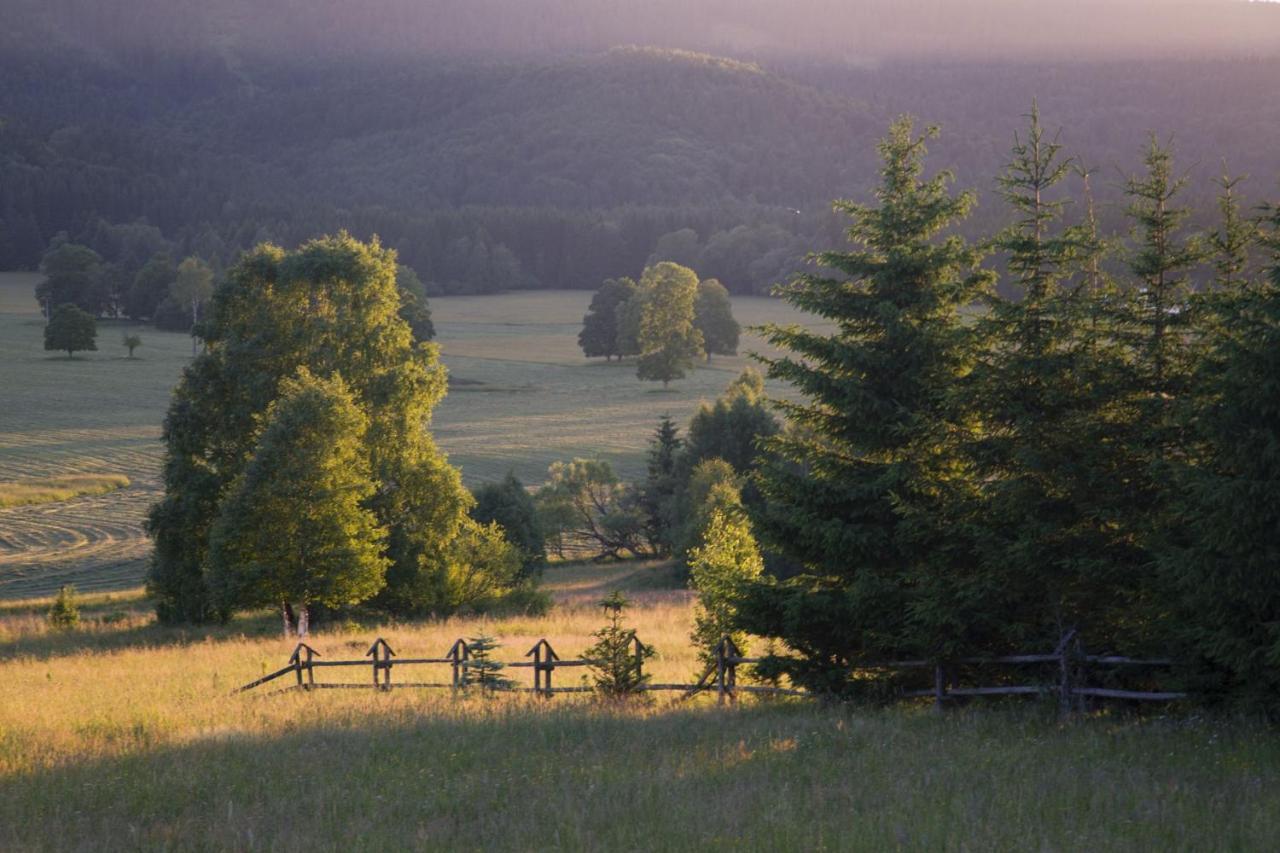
[555, 169]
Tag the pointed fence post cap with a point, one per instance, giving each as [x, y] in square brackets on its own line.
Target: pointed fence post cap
[373, 650]
[297, 652]
[458, 649]
[543, 644]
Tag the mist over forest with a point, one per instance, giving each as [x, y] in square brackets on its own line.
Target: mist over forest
[857, 31]
[500, 144]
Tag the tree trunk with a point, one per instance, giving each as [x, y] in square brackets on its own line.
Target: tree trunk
[286, 612]
[304, 621]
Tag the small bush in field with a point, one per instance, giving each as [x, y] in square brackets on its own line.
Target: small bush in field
[64, 613]
[617, 655]
[482, 670]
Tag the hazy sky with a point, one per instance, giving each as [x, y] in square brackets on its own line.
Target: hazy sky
[850, 30]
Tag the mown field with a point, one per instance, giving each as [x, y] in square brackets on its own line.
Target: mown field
[124, 735]
[522, 397]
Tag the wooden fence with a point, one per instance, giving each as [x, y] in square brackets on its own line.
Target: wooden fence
[1070, 687]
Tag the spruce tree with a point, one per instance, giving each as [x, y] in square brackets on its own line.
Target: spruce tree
[482, 670]
[1159, 263]
[1230, 243]
[657, 497]
[1158, 327]
[1222, 554]
[616, 658]
[1039, 395]
[861, 491]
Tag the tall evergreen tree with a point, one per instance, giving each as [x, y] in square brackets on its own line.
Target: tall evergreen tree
[657, 497]
[862, 489]
[1039, 393]
[1230, 243]
[1160, 263]
[1159, 329]
[1222, 554]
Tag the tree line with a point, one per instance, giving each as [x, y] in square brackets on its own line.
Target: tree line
[971, 474]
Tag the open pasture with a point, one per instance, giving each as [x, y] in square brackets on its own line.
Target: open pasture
[522, 397]
[125, 734]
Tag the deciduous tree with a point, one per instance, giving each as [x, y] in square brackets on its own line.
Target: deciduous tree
[295, 526]
[330, 306]
[713, 316]
[509, 505]
[599, 335]
[669, 342]
[70, 330]
[70, 275]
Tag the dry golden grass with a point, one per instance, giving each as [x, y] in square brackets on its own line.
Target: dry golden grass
[53, 489]
[126, 736]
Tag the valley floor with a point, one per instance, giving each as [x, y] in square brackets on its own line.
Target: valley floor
[522, 396]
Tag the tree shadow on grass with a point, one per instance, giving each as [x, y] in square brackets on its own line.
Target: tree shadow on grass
[404, 770]
[485, 775]
[112, 624]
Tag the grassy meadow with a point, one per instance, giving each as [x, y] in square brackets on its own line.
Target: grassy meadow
[125, 735]
[522, 397]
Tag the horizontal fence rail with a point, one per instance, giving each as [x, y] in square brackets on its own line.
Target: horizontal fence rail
[721, 676]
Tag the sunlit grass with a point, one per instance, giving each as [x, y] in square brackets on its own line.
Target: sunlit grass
[52, 489]
[124, 734]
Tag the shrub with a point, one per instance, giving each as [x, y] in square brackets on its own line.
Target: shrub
[617, 656]
[482, 670]
[64, 613]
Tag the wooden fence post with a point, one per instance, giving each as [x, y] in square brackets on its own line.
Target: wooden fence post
[731, 668]
[939, 687]
[638, 649]
[1066, 697]
[544, 663]
[382, 662]
[300, 663]
[721, 654]
[458, 653]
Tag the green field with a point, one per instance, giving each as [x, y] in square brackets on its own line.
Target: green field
[522, 397]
